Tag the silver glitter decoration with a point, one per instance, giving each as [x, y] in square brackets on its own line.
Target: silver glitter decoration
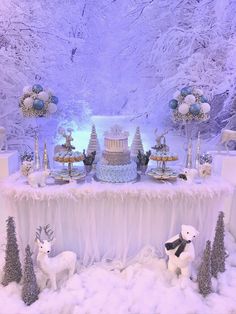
[205, 158]
[198, 151]
[189, 159]
[178, 117]
[36, 153]
[45, 158]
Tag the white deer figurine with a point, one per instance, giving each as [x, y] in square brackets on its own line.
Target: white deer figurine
[51, 266]
[226, 136]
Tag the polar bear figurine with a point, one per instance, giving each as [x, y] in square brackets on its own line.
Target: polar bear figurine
[38, 178]
[190, 174]
[180, 250]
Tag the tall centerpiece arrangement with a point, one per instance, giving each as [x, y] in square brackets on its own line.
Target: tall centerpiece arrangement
[37, 101]
[190, 106]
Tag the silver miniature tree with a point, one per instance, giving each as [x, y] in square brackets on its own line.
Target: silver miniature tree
[94, 144]
[137, 144]
[204, 273]
[218, 249]
[30, 290]
[12, 267]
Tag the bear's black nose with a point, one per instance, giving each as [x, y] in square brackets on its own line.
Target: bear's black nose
[48, 251]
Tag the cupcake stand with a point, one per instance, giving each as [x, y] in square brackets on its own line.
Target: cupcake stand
[162, 156]
[66, 155]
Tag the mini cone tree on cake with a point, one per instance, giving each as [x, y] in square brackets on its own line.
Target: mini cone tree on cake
[218, 249]
[204, 273]
[12, 267]
[93, 143]
[30, 290]
[137, 144]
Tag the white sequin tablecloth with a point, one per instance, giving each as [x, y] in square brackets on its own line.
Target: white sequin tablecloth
[104, 221]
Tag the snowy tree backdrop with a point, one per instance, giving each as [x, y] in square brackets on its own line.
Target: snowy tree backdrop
[122, 57]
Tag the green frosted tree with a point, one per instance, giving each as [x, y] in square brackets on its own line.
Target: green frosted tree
[218, 249]
[12, 267]
[204, 273]
[30, 289]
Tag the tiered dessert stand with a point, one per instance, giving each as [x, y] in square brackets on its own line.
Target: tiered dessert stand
[162, 156]
[67, 156]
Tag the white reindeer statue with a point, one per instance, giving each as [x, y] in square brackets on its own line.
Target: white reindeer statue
[51, 266]
[226, 136]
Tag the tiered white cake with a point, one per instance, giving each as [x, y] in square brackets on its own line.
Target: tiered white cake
[116, 165]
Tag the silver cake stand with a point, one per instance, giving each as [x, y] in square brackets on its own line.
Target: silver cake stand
[162, 172]
[65, 175]
[158, 174]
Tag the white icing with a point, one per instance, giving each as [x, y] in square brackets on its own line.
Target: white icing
[117, 173]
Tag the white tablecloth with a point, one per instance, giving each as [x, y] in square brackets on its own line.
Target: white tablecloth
[100, 221]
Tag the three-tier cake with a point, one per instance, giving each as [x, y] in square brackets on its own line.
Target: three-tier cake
[116, 165]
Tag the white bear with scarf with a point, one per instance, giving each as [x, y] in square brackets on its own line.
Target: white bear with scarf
[180, 250]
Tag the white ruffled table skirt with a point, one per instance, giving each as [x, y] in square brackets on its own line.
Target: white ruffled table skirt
[104, 221]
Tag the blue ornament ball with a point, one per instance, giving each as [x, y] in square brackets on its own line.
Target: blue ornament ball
[194, 109]
[37, 88]
[173, 103]
[203, 99]
[186, 91]
[38, 104]
[54, 100]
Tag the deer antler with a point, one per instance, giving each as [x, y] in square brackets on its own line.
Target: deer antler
[48, 232]
[38, 233]
[166, 131]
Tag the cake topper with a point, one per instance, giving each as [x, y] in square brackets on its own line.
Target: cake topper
[161, 142]
[116, 131]
[68, 137]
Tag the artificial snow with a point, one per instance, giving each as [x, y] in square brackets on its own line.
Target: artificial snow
[143, 285]
[16, 188]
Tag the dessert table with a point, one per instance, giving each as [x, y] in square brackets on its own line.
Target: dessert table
[112, 221]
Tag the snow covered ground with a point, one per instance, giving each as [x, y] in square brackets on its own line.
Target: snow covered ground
[143, 286]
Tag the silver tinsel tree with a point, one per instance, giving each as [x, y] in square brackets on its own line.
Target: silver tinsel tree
[218, 249]
[12, 267]
[204, 273]
[30, 290]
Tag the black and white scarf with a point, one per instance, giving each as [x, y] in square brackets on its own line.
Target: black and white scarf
[180, 243]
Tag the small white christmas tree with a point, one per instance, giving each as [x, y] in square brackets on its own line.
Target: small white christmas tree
[94, 143]
[137, 144]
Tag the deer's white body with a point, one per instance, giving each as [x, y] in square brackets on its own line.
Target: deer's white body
[226, 136]
[51, 266]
